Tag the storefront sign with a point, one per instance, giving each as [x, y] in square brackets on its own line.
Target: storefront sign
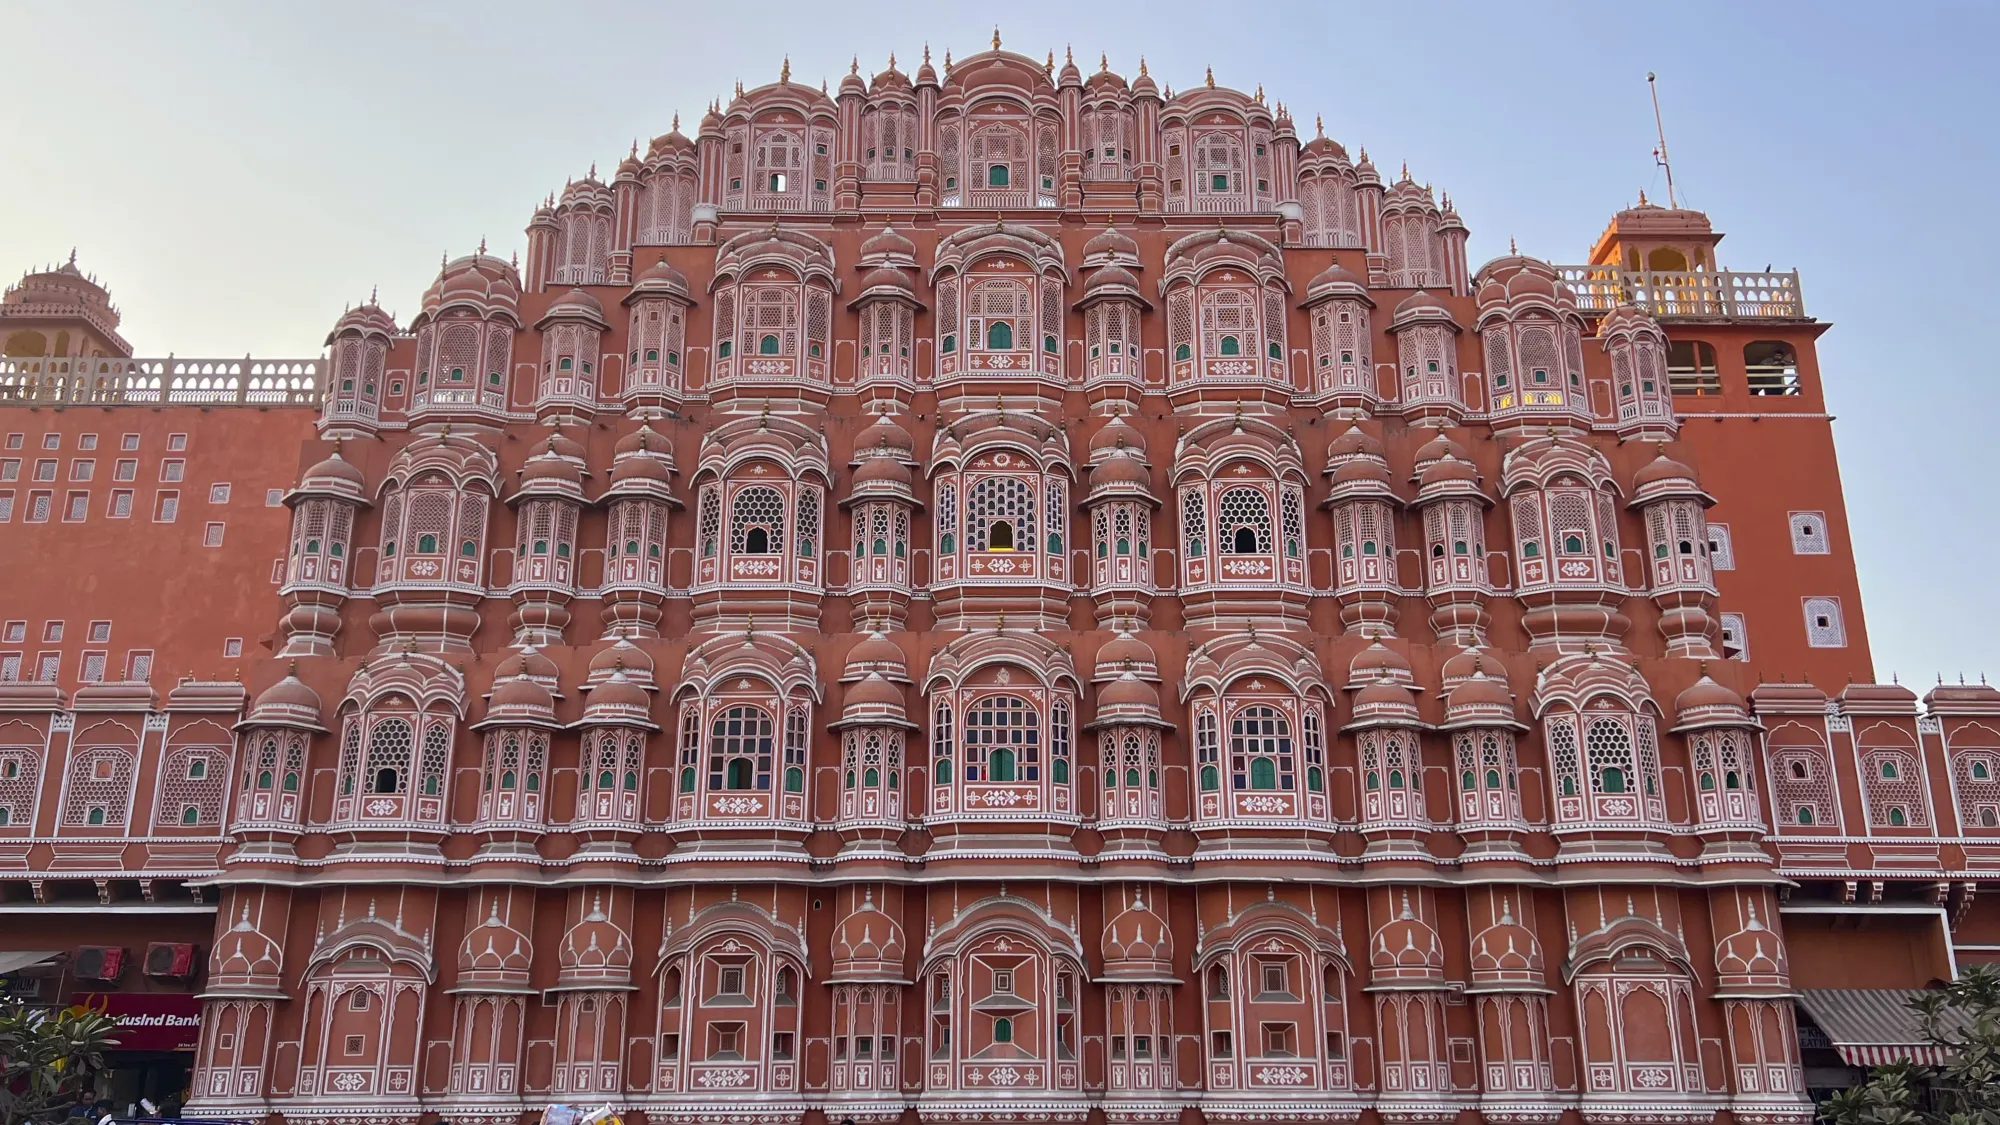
[147, 1021]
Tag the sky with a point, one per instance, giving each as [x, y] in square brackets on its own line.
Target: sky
[239, 173]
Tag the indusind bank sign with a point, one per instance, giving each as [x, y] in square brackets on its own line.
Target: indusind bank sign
[148, 1021]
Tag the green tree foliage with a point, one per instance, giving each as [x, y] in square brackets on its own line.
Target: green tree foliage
[1964, 1019]
[48, 1060]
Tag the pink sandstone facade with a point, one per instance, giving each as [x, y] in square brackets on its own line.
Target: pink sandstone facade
[1001, 595]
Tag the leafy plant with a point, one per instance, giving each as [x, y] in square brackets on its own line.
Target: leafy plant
[48, 1060]
[1963, 1018]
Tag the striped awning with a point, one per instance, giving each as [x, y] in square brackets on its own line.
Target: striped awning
[1872, 1026]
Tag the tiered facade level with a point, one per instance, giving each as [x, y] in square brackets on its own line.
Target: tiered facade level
[999, 595]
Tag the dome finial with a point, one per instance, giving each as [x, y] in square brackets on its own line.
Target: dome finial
[1103, 64]
[854, 65]
[1142, 66]
[1642, 197]
[996, 36]
[1512, 248]
[1210, 78]
[677, 121]
[892, 60]
[1319, 125]
[785, 71]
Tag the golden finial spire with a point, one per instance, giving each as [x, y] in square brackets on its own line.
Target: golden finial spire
[1069, 56]
[677, 121]
[1642, 197]
[1210, 79]
[1260, 93]
[1406, 169]
[1319, 125]
[785, 71]
[1051, 63]
[892, 60]
[996, 36]
[854, 65]
[1103, 64]
[1142, 66]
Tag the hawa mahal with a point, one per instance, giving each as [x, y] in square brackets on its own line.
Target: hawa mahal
[1003, 593]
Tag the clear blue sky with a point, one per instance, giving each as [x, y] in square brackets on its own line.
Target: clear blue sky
[239, 172]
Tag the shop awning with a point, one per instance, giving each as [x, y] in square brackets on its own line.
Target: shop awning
[13, 960]
[1872, 1026]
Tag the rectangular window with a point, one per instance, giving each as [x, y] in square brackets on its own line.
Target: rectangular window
[274, 498]
[51, 441]
[211, 535]
[233, 647]
[10, 667]
[1278, 1040]
[127, 468]
[172, 471]
[76, 507]
[120, 507]
[176, 442]
[218, 493]
[1273, 977]
[129, 442]
[93, 668]
[1220, 1046]
[99, 633]
[38, 506]
[48, 666]
[166, 506]
[139, 665]
[45, 469]
[277, 571]
[52, 632]
[86, 441]
[10, 469]
[725, 1041]
[7, 506]
[14, 632]
[82, 469]
[14, 440]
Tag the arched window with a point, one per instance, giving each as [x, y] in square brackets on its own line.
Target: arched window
[1241, 510]
[740, 744]
[1232, 346]
[1207, 751]
[1003, 740]
[767, 344]
[996, 176]
[390, 745]
[1000, 515]
[1260, 749]
[756, 522]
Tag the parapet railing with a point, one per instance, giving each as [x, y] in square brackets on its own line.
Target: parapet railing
[110, 380]
[1722, 295]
